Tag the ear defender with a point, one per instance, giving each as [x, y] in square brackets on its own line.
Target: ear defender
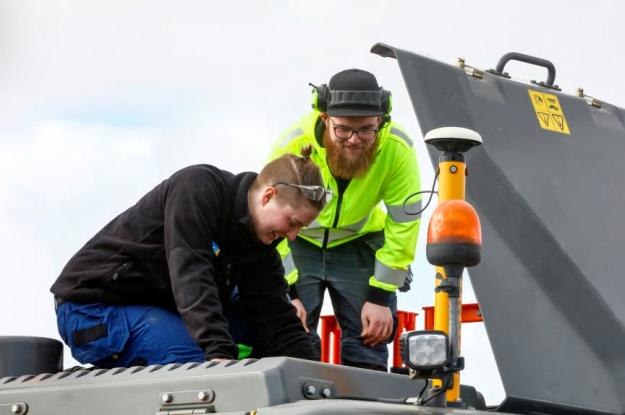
[387, 105]
[320, 96]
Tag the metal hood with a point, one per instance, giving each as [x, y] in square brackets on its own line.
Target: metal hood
[550, 195]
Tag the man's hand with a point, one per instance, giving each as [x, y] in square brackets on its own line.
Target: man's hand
[301, 312]
[377, 323]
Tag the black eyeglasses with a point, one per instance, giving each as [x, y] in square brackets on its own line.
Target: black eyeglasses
[316, 193]
[344, 133]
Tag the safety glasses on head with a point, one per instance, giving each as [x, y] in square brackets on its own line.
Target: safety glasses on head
[316, 193]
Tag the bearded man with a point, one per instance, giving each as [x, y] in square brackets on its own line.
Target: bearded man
[355, 250]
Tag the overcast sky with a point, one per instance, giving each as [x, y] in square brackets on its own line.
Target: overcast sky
[101, 100]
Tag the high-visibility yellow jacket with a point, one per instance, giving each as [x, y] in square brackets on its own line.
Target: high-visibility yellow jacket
[392, 177]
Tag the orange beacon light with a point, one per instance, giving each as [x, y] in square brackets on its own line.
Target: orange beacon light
[454, 235]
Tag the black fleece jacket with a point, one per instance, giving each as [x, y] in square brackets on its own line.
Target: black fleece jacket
[159, 252]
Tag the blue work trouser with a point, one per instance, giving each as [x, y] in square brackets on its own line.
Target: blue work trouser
[345, 271]
[128, 335]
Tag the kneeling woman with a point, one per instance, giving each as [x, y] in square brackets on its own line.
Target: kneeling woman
[156, 285]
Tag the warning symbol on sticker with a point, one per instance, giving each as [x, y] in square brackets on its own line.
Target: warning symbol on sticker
[544, 118]
[559, 121]
[549, 112]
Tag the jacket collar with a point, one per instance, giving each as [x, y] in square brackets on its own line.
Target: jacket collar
[241, 226]
[240, 209]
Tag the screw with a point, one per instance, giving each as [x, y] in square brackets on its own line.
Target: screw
[18, 409]
[206, 396]
[326, 392]
[167, 397]
[310, 390]
[453, 169]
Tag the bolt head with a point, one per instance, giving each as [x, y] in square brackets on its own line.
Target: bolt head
[326, 392]
[205, 396]
[311, 390]
[167, 397]
[17, 409]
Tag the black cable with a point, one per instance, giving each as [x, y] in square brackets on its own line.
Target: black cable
[423, 390]
[401, 401]
[431, 192]
[443, 389]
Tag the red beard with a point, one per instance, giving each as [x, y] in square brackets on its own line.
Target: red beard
[345, 163]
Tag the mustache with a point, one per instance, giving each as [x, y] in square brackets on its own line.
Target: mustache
[344, 165]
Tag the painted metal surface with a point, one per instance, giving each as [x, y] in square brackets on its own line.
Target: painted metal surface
[550, 283]
[231, 386]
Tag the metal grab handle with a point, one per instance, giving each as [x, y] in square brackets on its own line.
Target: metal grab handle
[551, 70]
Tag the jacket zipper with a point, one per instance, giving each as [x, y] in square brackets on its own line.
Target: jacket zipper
[228, 275]
[337, 214]
[120, 270]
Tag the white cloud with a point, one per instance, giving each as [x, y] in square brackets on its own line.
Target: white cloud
[102, 99]
[59, 160]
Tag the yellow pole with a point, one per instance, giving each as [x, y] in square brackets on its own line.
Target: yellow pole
[451, 186]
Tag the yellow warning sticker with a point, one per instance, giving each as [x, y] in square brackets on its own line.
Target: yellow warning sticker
[549, 112]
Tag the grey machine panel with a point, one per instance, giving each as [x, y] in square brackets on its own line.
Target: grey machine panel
[550, 285]
[340, 406]
[226, 387]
